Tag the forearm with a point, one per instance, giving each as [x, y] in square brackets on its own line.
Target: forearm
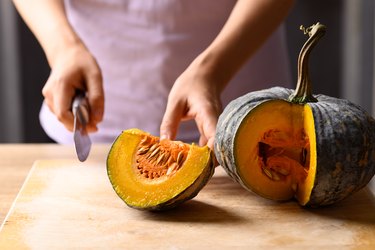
[48, 22]
[248, 27]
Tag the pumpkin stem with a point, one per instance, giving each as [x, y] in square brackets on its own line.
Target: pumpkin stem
[303, 93]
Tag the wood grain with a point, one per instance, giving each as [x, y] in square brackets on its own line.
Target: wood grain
[16, 161]
[66, 205]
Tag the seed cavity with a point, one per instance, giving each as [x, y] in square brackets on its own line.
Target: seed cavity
[284, 155]
[155, 158]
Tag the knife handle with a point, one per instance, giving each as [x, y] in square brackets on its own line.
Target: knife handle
[80, 108]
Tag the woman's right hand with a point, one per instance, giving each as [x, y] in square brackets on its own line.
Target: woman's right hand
[74, 68]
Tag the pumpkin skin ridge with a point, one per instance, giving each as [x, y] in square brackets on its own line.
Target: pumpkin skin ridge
[336, 177]
[189, 192]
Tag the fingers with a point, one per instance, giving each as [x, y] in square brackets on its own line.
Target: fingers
[206, 123]
[58, 97]
[192, 101]
[61, 87]
[95, 96]
[205, 114]
[171, 119]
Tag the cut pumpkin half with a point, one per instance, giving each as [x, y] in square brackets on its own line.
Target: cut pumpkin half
[275, 150]
[152, 174]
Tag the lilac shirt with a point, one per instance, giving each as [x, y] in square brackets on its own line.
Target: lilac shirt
[142, 46]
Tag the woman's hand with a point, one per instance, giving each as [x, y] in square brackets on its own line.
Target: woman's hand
[74, 68]
[194, 95]
[72, 65]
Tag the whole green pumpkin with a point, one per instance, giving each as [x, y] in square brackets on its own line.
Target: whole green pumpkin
[282, 143]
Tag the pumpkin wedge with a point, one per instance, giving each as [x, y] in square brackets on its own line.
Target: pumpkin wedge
[282, 143]
[152, 174]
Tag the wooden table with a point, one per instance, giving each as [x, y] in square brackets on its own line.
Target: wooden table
[76, 208]
[16, 161]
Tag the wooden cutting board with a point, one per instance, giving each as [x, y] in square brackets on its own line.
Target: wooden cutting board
[65, 204]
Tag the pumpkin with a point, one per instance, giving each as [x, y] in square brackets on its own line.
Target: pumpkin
[152, 174]
[285, 144]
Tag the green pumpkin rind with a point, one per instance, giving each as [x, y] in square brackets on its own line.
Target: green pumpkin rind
[186, 195]
[345, 139]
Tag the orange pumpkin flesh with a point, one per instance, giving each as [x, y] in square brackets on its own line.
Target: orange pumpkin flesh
[282, 149]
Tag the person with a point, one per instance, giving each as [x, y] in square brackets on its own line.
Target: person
[165, 66]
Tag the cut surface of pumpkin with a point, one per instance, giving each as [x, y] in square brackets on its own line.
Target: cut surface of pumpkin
[275, 150]
[148, 173]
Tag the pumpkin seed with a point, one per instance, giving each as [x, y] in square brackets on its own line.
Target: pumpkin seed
[172, 168]
[170, 160]
[144, 140]
[155, 152]
[282, 171]
[166, 156]
[180, 157]
[275, 176]
[143, 150]
[153, 147]
[160, 159]
[268, 173]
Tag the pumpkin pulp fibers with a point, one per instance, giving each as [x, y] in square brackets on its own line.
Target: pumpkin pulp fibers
[274, 158]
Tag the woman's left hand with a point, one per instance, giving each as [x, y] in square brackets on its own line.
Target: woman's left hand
[194, 95]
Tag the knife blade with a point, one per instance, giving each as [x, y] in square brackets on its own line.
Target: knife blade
[81, 137]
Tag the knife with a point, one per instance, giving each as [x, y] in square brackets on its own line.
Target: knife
[82, 142]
